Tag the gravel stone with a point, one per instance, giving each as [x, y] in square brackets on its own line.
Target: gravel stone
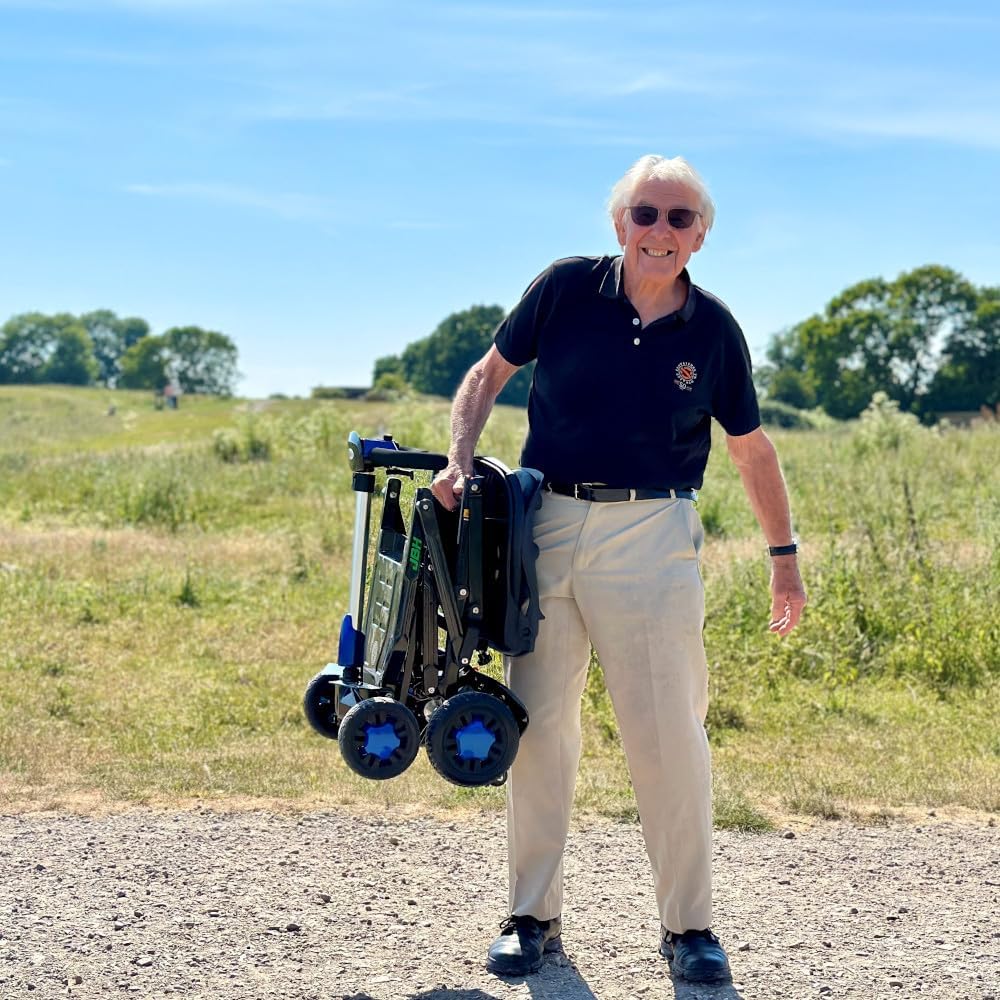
[240, 915]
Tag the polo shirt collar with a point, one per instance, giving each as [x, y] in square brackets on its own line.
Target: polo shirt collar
[613, 287]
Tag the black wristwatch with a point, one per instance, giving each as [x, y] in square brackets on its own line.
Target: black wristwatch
[783, 550]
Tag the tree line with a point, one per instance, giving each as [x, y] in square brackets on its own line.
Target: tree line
[436, 363]
[930, 340]
[101, 348]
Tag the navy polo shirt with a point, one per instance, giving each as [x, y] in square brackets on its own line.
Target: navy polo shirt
[614, 403]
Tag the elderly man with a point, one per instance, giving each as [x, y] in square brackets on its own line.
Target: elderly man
[632, 362]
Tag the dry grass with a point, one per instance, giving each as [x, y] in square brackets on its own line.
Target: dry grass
[115, 553]
[164, 664]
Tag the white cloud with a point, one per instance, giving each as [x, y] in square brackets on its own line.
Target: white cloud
[707, 79]
[284, 205]
[966, 127]
[500, 12]
[417, 102]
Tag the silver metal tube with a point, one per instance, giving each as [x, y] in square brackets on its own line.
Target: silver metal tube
[362, 512]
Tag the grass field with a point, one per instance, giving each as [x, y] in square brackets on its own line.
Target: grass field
[170, 580]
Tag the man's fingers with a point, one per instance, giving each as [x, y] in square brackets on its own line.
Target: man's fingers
[785, 614]
[795, 612]
[447, 490]
[444, 493]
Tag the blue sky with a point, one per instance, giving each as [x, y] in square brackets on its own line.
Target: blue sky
[326, 181]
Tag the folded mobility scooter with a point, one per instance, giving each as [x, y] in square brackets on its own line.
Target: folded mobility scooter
[443, 588]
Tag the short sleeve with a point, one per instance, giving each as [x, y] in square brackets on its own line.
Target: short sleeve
[516, 337]
[734, 402]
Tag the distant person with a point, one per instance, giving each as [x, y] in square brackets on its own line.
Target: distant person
[632, 362]
[171, 394]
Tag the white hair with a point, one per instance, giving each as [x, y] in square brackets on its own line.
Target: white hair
[659, 168]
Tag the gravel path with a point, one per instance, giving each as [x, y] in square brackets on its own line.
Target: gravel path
[342, 905]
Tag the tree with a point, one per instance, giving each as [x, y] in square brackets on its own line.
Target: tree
[930, 305]
[25, 344]
[392, 364]
[100, 346]
[969, 376]
[201, 360]
[144, 365]
[876, 335]
[795, 388]
[72, 361]
[437, 363]
[111, 338]
[35, 347]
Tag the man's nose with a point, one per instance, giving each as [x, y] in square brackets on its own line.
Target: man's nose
[661, 225]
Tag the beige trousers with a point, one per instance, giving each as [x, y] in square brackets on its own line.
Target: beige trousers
[625, 577]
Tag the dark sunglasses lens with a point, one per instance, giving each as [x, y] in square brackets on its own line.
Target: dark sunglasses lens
[644, 215]
[681, 218]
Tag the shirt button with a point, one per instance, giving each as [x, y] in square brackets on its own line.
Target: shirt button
[636, 341]
[635, 322]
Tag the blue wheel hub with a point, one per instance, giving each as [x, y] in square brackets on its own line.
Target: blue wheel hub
[474, 741]
[381, 741]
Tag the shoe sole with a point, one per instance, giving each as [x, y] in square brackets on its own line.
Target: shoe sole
[668, 953]
[552, 945]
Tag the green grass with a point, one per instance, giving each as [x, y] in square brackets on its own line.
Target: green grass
[170, 580]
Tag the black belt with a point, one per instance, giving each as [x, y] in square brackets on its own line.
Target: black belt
[609, 494]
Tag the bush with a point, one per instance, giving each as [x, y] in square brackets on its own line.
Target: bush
[884, 427]
[328, 392]
[226, 445]
[337, 392]
[389, 387]
[162, 499]
[246, 443]
[774, 413]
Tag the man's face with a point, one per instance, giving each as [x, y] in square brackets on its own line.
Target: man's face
[659, 252]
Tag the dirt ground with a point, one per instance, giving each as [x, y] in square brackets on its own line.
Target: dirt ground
[336, 905]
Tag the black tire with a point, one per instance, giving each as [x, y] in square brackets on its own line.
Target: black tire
[320, 705]
[472, 739]
[379, 738]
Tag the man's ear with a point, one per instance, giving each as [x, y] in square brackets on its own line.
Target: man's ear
[701, 239]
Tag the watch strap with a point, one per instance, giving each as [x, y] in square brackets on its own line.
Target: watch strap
[783, 550]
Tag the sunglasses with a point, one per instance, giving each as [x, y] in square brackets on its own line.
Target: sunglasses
[677, 218]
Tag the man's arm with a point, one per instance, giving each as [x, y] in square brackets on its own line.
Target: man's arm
[757, 461]
[473, 405]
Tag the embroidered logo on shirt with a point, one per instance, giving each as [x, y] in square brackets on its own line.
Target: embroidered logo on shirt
[686, 374]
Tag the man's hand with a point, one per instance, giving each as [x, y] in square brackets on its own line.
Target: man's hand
[788, 596]
[448, 484]
[757, 461]
[473, 402]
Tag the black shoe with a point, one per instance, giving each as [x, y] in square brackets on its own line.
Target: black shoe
[696, 956]
[522, 942]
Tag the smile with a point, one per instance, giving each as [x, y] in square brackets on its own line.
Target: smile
[650, 252]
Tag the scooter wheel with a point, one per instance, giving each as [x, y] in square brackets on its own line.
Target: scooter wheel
[320, 705]
[379, 738]
[472, 739]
